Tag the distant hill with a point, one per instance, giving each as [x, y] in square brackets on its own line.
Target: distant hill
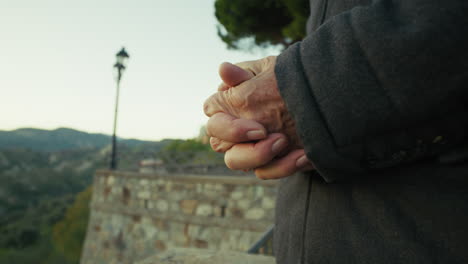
[59, 139]
[40, 173]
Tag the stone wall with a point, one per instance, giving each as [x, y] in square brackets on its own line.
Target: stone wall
[135, 215]
[206, 256]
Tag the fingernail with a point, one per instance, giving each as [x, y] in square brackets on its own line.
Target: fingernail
[278, 145]
[256, 134]
[302, 161]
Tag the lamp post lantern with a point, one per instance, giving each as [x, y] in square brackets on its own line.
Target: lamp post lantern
[120, 66]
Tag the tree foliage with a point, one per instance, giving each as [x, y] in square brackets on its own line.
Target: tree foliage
[180, 145]
[190, 151]
[68, 234]
[26, 235]
[266, 21]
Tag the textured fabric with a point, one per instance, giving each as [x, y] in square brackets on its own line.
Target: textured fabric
[379, 92]
[411, 214]
[376, 89]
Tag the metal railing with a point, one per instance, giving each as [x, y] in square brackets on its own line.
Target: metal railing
[264, 245]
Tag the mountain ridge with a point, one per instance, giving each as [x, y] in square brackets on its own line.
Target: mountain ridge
[59, 139]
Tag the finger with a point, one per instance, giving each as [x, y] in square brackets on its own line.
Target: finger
[223, 87]
[216, 103]
[220, 145]
[254, 67]
[232, 129]
[251, 155]
[285, 166]
[233, 75]
[231, 101]
[258, 66]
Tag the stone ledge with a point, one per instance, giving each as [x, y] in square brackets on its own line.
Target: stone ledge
[236, 180]
[230, 223]
[205, 256]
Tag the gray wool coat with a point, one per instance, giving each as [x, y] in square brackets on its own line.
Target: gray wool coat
[379, 93]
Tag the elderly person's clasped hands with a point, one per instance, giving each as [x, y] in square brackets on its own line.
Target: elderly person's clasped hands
[250, 123]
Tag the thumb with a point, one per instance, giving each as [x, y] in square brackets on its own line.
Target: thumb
[233, 75]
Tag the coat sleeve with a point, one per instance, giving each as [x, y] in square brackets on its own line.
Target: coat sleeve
[380, 86]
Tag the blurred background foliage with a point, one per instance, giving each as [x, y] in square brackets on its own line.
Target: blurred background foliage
[190, 152]
[45, 190]
[267, 22]
[69, 233]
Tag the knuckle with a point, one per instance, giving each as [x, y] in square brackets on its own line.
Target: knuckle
[210, 127]
[211, 105]
[235, 132]
[269, 60]
[235, 97]
[206, 107]
[215, 144]
[229, 162]
[223, 146]
[223, 87]
[221, 125]
[219, 149]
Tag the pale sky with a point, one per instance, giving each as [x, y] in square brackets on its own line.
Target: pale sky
[57, 56]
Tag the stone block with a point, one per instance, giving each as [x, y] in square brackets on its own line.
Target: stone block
[245, 241]
[209, 186]
[159, 182]
[204, 210]
[188, 206]
[110, 180]
[116, 191]
[218, 187]
[174, 207]
[205, 233]
[143, 182]
[211, 194]
[149, 230]
[268, 202]
[160, 245]
[162, 205]
[163, 235]
[219, 211]
[150, 205]
[235, 212]
[200, 243]
[259, 191]
[236, 195]
[243, 204]
[255, 214]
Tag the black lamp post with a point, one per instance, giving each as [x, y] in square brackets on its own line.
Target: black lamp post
[122, 58]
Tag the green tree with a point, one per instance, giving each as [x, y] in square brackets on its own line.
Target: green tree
[190, 151]
[186, 145]
[69, 234]
[267, 21]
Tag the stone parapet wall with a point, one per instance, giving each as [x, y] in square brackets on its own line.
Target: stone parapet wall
[206, 256]
[135, 215]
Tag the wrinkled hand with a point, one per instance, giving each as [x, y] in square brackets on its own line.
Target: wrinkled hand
[232, 127]
[258, 99]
